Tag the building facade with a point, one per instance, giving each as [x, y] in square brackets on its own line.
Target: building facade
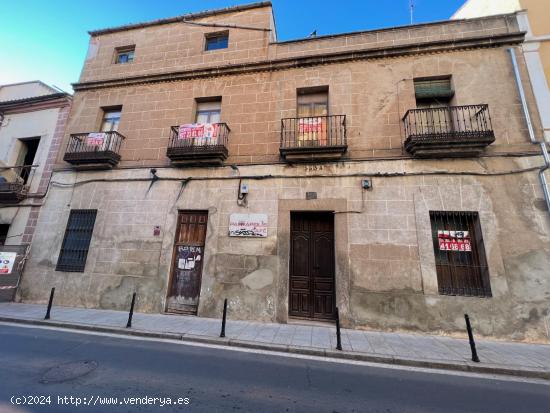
[32, 122]
[534, 19]
[385, 173]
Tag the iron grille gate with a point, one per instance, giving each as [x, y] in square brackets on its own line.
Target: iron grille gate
[76, 242]
[459, 254]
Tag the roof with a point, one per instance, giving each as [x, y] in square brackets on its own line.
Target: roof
[10, 104]
[189, 16]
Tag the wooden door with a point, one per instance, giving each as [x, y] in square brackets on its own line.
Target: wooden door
[185, 281]
[311, 284]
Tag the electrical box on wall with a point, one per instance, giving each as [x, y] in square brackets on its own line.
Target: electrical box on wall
[366, 184]
[244, 188]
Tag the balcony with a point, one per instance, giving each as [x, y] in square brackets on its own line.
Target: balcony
[198, 144]
[94, 150]
[12, 192]
[313, 138]
[455, 131]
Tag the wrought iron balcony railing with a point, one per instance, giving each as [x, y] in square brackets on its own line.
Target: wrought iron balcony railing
[94, 150]
[12, 192]
[198, 143]
[448, 131]
[313, 137]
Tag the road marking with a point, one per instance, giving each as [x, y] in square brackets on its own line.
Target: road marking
[288, 355]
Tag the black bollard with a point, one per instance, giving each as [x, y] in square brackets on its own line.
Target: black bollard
[50, 305]
[222, 334]
[338, 339]
[129, 323]
[471, 338]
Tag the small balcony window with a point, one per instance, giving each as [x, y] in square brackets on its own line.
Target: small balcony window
[124, 54]
[209, 111]
[216, 41]
[111, 119]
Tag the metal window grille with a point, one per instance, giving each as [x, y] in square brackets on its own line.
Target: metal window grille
[76, 242]
[460, 259]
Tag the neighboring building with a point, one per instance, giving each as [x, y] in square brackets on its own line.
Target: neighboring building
[32, 122]
[534, 19]
[388, 173]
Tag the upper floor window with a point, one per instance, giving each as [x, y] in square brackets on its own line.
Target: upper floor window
[209, 111]
[124, 54]
[433, 91]
[312, 102]
[215, 41]
[111, 119]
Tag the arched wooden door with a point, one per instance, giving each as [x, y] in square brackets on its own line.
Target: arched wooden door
[311, 272]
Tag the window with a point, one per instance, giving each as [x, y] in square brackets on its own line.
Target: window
[460, 259]
[433, 91]
[312, 112]
[4, 229]
[215, 41]
[124, 54]
[209, 111]
[27, 153]
[111, 119]
[76, 242]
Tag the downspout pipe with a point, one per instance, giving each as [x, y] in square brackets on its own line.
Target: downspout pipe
[542, 143]
[522, 96]
[542, 176]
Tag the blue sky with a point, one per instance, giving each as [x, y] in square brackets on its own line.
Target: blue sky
[47, 39]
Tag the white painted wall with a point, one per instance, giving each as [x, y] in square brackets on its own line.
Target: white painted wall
[40, 123]
[480, 8]
[24, 90]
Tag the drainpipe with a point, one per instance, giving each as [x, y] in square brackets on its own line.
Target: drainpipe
[522, 96]
[542, 177]
[532, 137]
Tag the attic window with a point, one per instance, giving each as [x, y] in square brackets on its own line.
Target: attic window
[124, 54]
[216, 41]
[433, 88]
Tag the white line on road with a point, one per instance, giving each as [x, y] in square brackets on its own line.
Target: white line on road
[287, 355]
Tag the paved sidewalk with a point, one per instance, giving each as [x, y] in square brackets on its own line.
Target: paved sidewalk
[528, 360]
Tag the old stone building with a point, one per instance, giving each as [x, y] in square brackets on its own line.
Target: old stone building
[389, 173]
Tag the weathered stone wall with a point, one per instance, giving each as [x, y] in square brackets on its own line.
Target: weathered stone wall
[374, 96]
[385, 267]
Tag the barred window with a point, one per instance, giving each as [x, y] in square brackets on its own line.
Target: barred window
[460, 259]
[76, 242]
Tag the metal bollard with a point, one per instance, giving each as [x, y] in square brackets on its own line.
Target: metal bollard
[129, 323]
[471, 338]
[338, 338]
[222, 334]
[50, 304]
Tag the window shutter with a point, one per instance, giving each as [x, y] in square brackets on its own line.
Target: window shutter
[433, 88]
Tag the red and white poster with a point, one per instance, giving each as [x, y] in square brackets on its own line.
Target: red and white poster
[201, 133]
[7, 259]
[454, 241]
[309, 125]
[248, 225]
[95, 139]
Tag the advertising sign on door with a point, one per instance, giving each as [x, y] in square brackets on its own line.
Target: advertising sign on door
[7, 259]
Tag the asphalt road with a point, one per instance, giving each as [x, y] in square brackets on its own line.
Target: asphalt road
[94, 368]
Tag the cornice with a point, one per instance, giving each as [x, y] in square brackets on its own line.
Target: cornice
[437, 46]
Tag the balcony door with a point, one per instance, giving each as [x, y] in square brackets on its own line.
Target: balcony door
[312, 112]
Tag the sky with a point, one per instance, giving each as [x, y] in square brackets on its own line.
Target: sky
[47, 39]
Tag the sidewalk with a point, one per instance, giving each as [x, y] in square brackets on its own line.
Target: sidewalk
[518, 359]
